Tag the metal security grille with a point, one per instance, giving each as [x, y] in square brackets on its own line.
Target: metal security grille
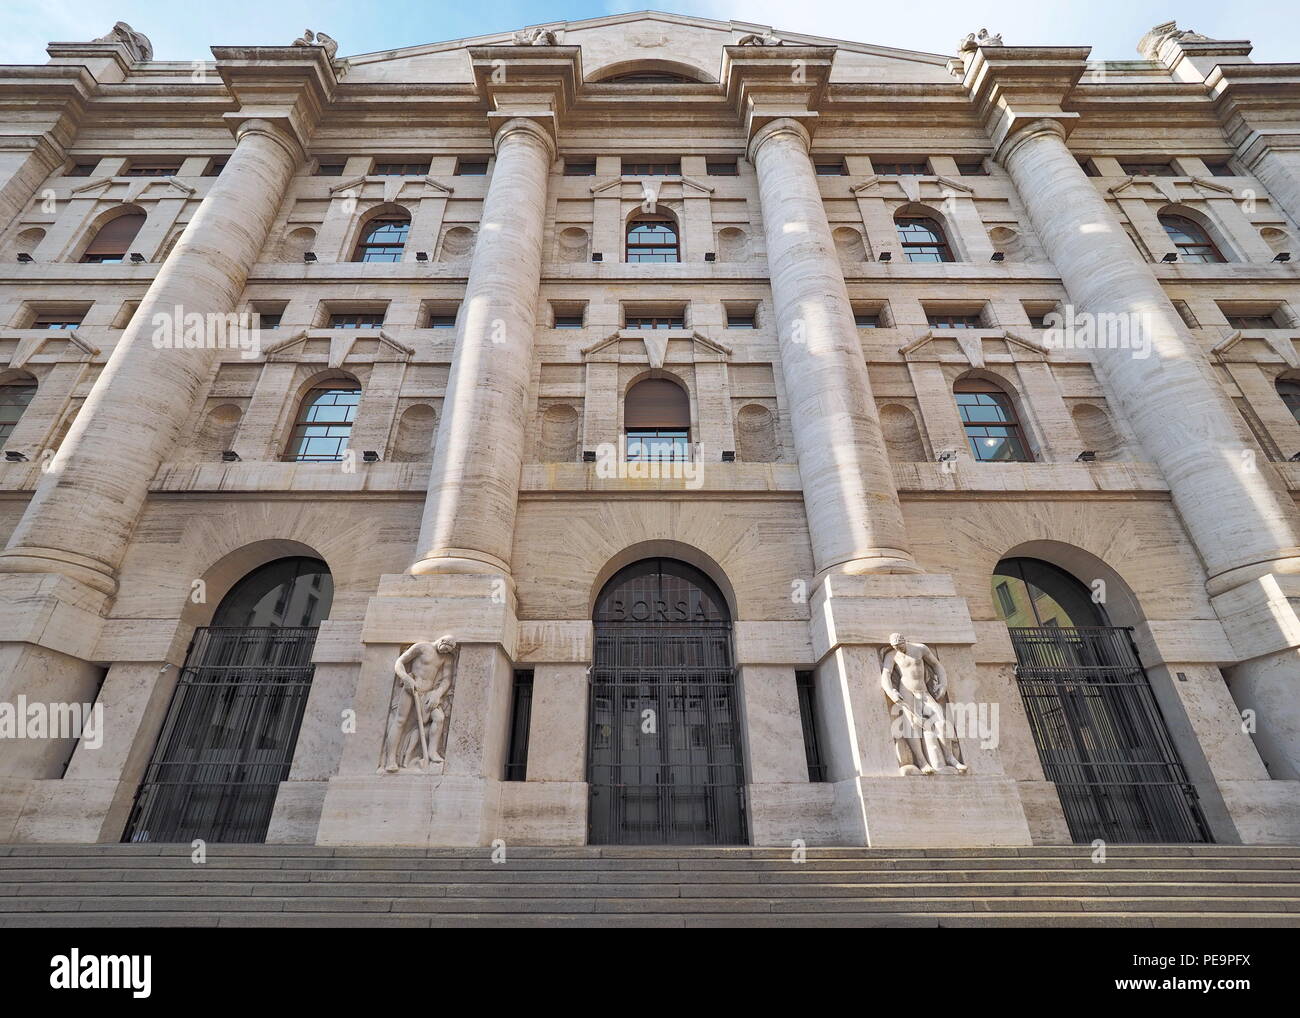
[229, 736]
[665, 764]
[1102, 739]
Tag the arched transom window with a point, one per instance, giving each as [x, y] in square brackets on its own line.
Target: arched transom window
[657, 422]
[923, 239]
[989, 418]
[652, 238]
[14, 398]
[383, 239]
[1193, 243]
[324, 424]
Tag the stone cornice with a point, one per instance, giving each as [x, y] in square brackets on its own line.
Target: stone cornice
[1011, 86]
[767, 83]
[287, 86]
[537, 83]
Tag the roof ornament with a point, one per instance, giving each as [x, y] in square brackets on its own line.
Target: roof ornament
[137, 43]
[759, 39]
[310, 38]
[1150, 44]
[975, 40]
[536, 37]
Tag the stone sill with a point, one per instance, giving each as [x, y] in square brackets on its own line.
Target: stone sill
[544, 478]
[1039, 478]
[54, 272]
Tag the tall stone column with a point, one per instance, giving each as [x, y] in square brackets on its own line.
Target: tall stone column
[854, 517]
[58, 572]
[469, 512]
[1234, 507]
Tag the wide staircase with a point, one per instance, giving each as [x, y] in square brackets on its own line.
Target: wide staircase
[305, 885]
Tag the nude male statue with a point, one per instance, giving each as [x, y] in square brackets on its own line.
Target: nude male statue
[919, 703]
[417, 717]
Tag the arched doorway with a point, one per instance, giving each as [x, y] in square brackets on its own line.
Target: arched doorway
[664, 756]
[230, 731]
[1099, 731]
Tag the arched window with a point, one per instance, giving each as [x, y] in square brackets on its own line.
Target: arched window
[114, 239]
[652, 238]
[648, 78]
[991, 424]
[382, 239]
[1027, 592]
[1288, 389]
[324, 424]
[923, 239]
[657, 422]
[229, 736]
[14, 397]
[1191, 240]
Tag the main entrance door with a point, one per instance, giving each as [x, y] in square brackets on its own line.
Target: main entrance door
[1100, 734]
[230, 732]
[664, 753]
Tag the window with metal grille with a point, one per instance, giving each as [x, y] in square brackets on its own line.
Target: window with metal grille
[652, 238]
[954, 320]
[900, 167]
[721, 168]
[805, 683]
[1193, 243]
[657, 422]
[521, 713]
[471, 167]
[1289, 390]
[652, 167]
[989, 419]
[401, 169]
[923, 239]
[356, 320]
[383, 239]
[151, 168]
[324, 423]
[13, 401]
[1148, 169]
[113, 239]
[579, 167]
[830, 168]
[59, 320]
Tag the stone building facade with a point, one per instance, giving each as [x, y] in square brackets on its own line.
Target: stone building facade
[669, 368]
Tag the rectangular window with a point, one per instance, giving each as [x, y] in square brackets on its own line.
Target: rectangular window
[1005, 599]
[652, 168]
[329, 169]
[1252, 321]
[658, 445]
[400, 169]
[579, 167]
[215, 167]
[473, 167]
[954, 321]
[442, 321]
[269, 319]
[151, 168]
[830, 168]
[1089, 170]
[521, 713]
[57, 320]
[568, 321]
[742, 318]
[356, 320]
[660, 321]
[901, 167]
[1147, 169]
[1220, 169]
[81, 170]
[805, 684]
[721, 168]
[972, 168]
[866, 319]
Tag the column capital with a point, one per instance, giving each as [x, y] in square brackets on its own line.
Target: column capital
[537, 83]
[1015, 86]
[540, 126]
[289, 86]
[767, 83]
[790, 127]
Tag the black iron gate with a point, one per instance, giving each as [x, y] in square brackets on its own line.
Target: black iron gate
[1102, 739]
[228, 738]
[664, 761]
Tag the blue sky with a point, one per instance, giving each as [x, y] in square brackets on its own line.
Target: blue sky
[184, 31]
